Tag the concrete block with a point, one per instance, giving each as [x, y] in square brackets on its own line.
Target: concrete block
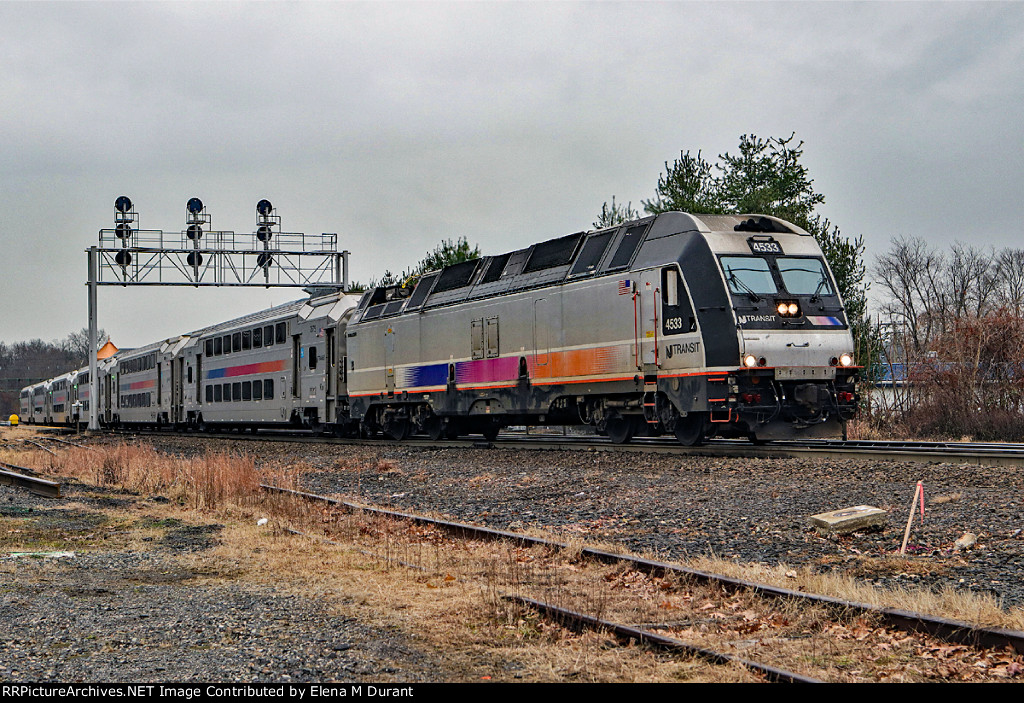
[846, 520]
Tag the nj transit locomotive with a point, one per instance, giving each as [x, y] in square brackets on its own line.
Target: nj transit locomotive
[691, 325]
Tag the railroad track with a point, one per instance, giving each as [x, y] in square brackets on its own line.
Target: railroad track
[995, 454]
[944, 629]
[21, 477]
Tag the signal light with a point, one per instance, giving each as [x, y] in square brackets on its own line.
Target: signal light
[264, 260]
[194, 258]
[123, 203]
[263, 233]
[194, 232]
[194, 206]
[264, 207]
[123, 230]
[123, 257]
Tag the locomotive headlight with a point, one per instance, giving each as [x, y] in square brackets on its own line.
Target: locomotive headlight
[788, 308]
[846, 359]
[750, 361]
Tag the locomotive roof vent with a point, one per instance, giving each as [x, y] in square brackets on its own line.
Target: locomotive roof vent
[761, 224]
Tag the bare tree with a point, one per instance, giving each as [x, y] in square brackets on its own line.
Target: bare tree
[970, 281]
[909, 274]
[1009, 274]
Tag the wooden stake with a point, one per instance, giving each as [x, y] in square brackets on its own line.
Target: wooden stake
[919, 491]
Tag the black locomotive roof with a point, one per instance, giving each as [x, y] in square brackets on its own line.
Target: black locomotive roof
[571, 257]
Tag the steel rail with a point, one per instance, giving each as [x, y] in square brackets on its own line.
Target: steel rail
[922, 452]
[943, 628]
[576, 620]
[39, 486]
[40, 446]
[73, 444]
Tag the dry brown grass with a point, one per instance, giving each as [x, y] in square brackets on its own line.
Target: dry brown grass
[211, 481]
[975, 608]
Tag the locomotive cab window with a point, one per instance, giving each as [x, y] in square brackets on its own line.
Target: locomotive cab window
[804, 276]
[676, 310]
[748, 275]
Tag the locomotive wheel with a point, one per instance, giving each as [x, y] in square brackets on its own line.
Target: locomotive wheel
[434, 427]
[690, 429]
[397, 429]
[620, 429]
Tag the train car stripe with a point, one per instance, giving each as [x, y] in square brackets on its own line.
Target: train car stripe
[138, 385]
[247, 369]
[824, 321]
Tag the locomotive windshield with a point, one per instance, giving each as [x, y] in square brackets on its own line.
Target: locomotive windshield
[752, 275]
[804, 276]
[748, 275]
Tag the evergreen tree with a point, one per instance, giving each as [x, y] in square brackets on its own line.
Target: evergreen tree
[615, 215]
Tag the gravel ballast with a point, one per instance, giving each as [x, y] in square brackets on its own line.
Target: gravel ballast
[674, 507]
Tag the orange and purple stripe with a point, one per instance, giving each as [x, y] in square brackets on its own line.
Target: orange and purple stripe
[247, 369]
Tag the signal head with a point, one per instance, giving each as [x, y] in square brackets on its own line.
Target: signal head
[194, 206]
[123, 203]
[264, 207]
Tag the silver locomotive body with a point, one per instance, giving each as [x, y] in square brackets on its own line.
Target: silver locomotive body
[639, 328]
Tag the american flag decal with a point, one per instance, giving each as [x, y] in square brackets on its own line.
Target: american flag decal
[625, 287]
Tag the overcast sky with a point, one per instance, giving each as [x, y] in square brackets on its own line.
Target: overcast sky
[398, 125]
